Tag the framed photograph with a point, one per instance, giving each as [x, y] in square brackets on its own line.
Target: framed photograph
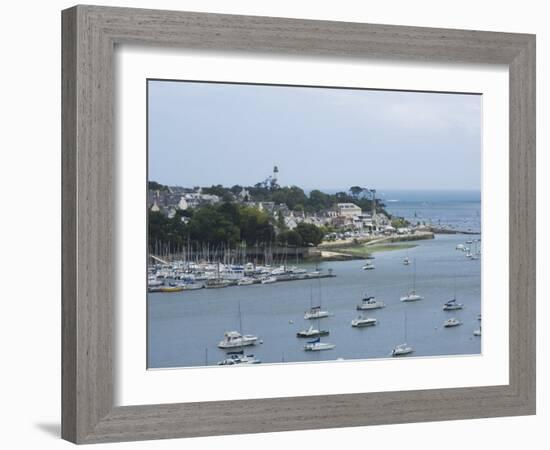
[278, 224]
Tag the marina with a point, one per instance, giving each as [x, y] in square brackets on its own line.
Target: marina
[271, 319]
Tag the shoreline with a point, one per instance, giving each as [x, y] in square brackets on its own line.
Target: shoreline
[364, 248]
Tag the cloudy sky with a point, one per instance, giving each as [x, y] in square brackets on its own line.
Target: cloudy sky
[205, 133]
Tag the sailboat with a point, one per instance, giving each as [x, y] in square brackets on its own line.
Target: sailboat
[316, 312]
[412, 296]
[368, 266]
[312, 332]
[452, 323]
[234, 339]
[403, 349]
[452, 304]
[316, 346]
[218, 282]
[239, 357]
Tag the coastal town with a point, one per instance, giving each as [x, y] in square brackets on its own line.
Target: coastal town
[269, 222]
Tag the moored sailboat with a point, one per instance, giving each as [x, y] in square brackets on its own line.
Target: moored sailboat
[412, 296]
[404, 348]
[316, 346]
[312, 332]
[235, 339]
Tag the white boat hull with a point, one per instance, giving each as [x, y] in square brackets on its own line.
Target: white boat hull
[371, 306]
[318, 347]
[319, 315]
[363, 323]
[402, 350]
[452, 308]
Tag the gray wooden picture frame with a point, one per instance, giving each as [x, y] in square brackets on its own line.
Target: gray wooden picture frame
[90, 34]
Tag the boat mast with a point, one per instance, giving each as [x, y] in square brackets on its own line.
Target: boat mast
[240, 320]
[455, 288]
[414, 276]
[320, 292]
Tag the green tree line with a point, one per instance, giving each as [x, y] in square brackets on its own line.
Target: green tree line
[295, 197]
[228, 224]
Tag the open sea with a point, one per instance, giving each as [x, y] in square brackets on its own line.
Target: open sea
[184, 328]
[459, 210]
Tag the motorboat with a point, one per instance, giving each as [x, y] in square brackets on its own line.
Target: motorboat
[406, 261]
[269, 280]
[412, 296]
[368, 266]
[452, 305]
[234, 358]
[281, 270]
[477, 332]
[312, 332]
[315, 312]
[361, 322]
[174, 288]
[245, 281]
[317, 345]
[370, 303]
[452, 323]
[402, 350]
[234, 339]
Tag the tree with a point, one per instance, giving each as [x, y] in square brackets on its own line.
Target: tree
[236, 189]
[281, 224]
[255, 227]
[399, 222]
[209, 225]
[356, 191]
[154, 186]
[231, 212]
[228, 197]
[290, 237]
[319, 200]
[218, 190]
[290, 196]
[310, 233]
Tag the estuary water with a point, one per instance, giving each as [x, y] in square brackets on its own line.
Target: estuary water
[184, 328]
[458, 210]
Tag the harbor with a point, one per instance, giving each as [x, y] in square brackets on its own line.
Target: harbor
[187, 326]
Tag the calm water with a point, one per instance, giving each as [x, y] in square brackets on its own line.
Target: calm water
[185, 327]
[460, 210]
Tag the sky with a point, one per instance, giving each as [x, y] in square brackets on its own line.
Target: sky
[202, 134]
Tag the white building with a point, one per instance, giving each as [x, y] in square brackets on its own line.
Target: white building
[182, 204]
[195, 199]
[348, 209]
